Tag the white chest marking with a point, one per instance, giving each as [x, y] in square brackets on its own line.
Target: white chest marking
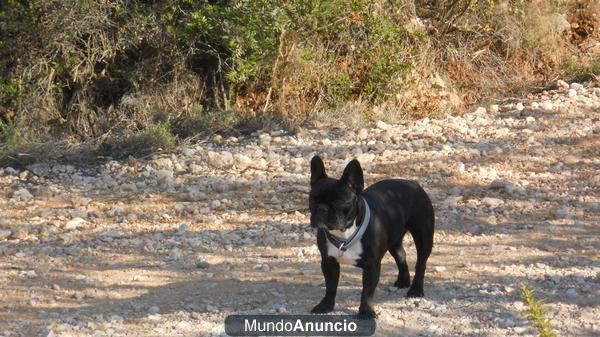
[352, 254]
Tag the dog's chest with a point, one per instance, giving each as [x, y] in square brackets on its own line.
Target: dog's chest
[350, 256]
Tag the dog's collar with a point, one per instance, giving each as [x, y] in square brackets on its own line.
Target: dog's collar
[342, 244]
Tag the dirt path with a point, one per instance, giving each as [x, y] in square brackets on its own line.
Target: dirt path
[172, 245]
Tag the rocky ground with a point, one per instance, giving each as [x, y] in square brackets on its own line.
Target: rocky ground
[171, 245]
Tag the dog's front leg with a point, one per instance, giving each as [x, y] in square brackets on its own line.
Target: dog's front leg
[331, 271]
[370, 279]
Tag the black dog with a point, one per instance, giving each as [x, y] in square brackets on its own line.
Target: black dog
[357, 227]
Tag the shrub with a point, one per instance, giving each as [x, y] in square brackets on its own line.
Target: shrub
[82, 70]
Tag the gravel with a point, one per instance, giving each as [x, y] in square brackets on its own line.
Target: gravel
[172, 244]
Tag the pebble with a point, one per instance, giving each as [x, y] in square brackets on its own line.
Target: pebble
[241, 204]
[492, 202]
[562, 85]
[23, 194]
[571, 293]
[5, 233]
[74, 223]
[520, 106]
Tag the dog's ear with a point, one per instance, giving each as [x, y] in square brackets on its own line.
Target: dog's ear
[353, 176]
[317, 170]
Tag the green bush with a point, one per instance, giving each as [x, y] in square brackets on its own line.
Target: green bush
[82, 69]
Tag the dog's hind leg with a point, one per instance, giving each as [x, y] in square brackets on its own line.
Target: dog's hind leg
[399, 255]
[423, 237]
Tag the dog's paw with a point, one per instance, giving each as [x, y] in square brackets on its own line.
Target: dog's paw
[415, 292]
[367, 312]
[323, 307]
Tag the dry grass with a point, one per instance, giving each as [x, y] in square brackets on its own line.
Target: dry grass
[100, 71]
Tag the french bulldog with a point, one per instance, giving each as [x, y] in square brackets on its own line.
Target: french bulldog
[358, 226]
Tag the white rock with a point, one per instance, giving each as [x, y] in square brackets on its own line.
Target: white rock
[520, 106]
[576, 86]
[242, 161]
[326, 142]
[453, 200]
[4, 233]
[220, 159]
[547, 105]
[505, 323]
[494, 108]
[572, 93]
[454, 191]
[562, 85]
[74, 223]
[382, 125]
[163, 163]
[492, 202]
[22, 194]
[439, 269]
[362, 134]
[480, 111]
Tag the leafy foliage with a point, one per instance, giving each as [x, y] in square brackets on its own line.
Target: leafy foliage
[536, 313]
[86, 69]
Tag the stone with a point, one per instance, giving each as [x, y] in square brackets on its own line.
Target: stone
[4, 234]
[480, 111]
[520, 106]
[572, 93]
[505, 323]
[113, 233]
[453, 200]
[74, 223]
[562, 85]
[454, 191]
[153, 310]
[561, 213]
[492, 202]
[498, 184]
[494, 108]
[23, 194]
[571, 293]
[547, 105]
[242, 161]
[382, 125]
[202, 265]
[576, 86]
[362, 134]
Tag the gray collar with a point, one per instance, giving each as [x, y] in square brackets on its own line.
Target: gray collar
[342, 244]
